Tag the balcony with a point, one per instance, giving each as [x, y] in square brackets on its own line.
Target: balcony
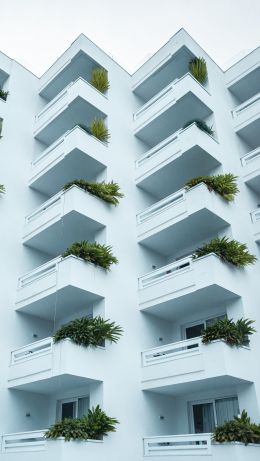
[69, 216]
[255, 216]
[251, 167]
[166, 226]
[189, 365]
[247, 121]
[189, 446]
[188, 285]
[79, 103]
[167, 111]
[23, 446]
[60, 287]
[185, 154]
[44, 367]
[74, 155]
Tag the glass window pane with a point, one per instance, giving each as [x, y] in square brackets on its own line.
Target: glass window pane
[226, 409]
[83, 406]
[68, 410]
[203, 417]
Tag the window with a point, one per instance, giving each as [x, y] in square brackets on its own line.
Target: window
[193, 330]
[206, 415]
[72, 408]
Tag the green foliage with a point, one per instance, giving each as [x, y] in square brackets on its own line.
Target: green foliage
[94, 426]
[224, 184]
[92, 252]
[198, 68]
[2, 189]
[3, 94]
[233, 333]
[99, 79]
[239, 429]
[109, 192]
[230, 251]
[88, 331]
[99, 129]
[201, 125]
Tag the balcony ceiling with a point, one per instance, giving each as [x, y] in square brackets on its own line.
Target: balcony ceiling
[251, 133]
[55, 384]
[248, 86]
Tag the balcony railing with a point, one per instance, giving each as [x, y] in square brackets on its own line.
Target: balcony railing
[162, 205]
[158, 148]
[250, 157]
[159, 275]
[170, 445]
[162, 94]
[40, 272]
[55, 201]
[245, 105]
[180, 349]
[31, 351]
[24, 441]
[255, 215]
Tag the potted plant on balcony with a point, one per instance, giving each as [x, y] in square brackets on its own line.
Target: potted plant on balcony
[99, 79]
[2, 189]
[230, 251]
[99, 130]
[3, 94]
[201, 125]
[233, 333]
[93, 252]
[88, 331]
[198, 68]
[95, 425]
[223, 184]
[239, 429]
[109, 192]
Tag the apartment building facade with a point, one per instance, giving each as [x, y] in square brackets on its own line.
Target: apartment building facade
[167, 389]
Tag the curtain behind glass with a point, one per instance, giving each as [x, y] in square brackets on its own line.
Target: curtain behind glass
[83, 406]
[226, 409]
[208, 417]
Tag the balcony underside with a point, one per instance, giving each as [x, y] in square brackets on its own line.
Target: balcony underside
[185, 233]
[247, 87]
[250, 133]
[195, 301]
[198, 385]
[60, 304]
[176, 171]
[54, 384]
[78, 112]
[54, 239]
[253, 179]
[76, 164]
[172, 119]
[79, 65]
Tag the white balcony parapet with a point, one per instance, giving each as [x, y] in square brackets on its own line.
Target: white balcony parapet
[251, 156]
[31, 351]
[159, 275]
[24, 441]
[162, 205]
[158, 148]
[40, 272]
[185, 445]
[56, 201]
[245, 105]
[162, 94]
[171, 351]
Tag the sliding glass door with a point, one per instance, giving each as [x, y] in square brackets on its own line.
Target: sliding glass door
[206, 415]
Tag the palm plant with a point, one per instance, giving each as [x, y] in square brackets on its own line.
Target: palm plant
[239, 429]
[223, 184]
[230, 251]
[99, 129]
[109, 192]
[233, 333]
[93, 252]
[198, 68]
[2, 189]
[99, 79]
[94, 425]
[88, 331]
[3, 94]
[201, 125]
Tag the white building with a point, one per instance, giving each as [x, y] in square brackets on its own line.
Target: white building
[165, 401]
